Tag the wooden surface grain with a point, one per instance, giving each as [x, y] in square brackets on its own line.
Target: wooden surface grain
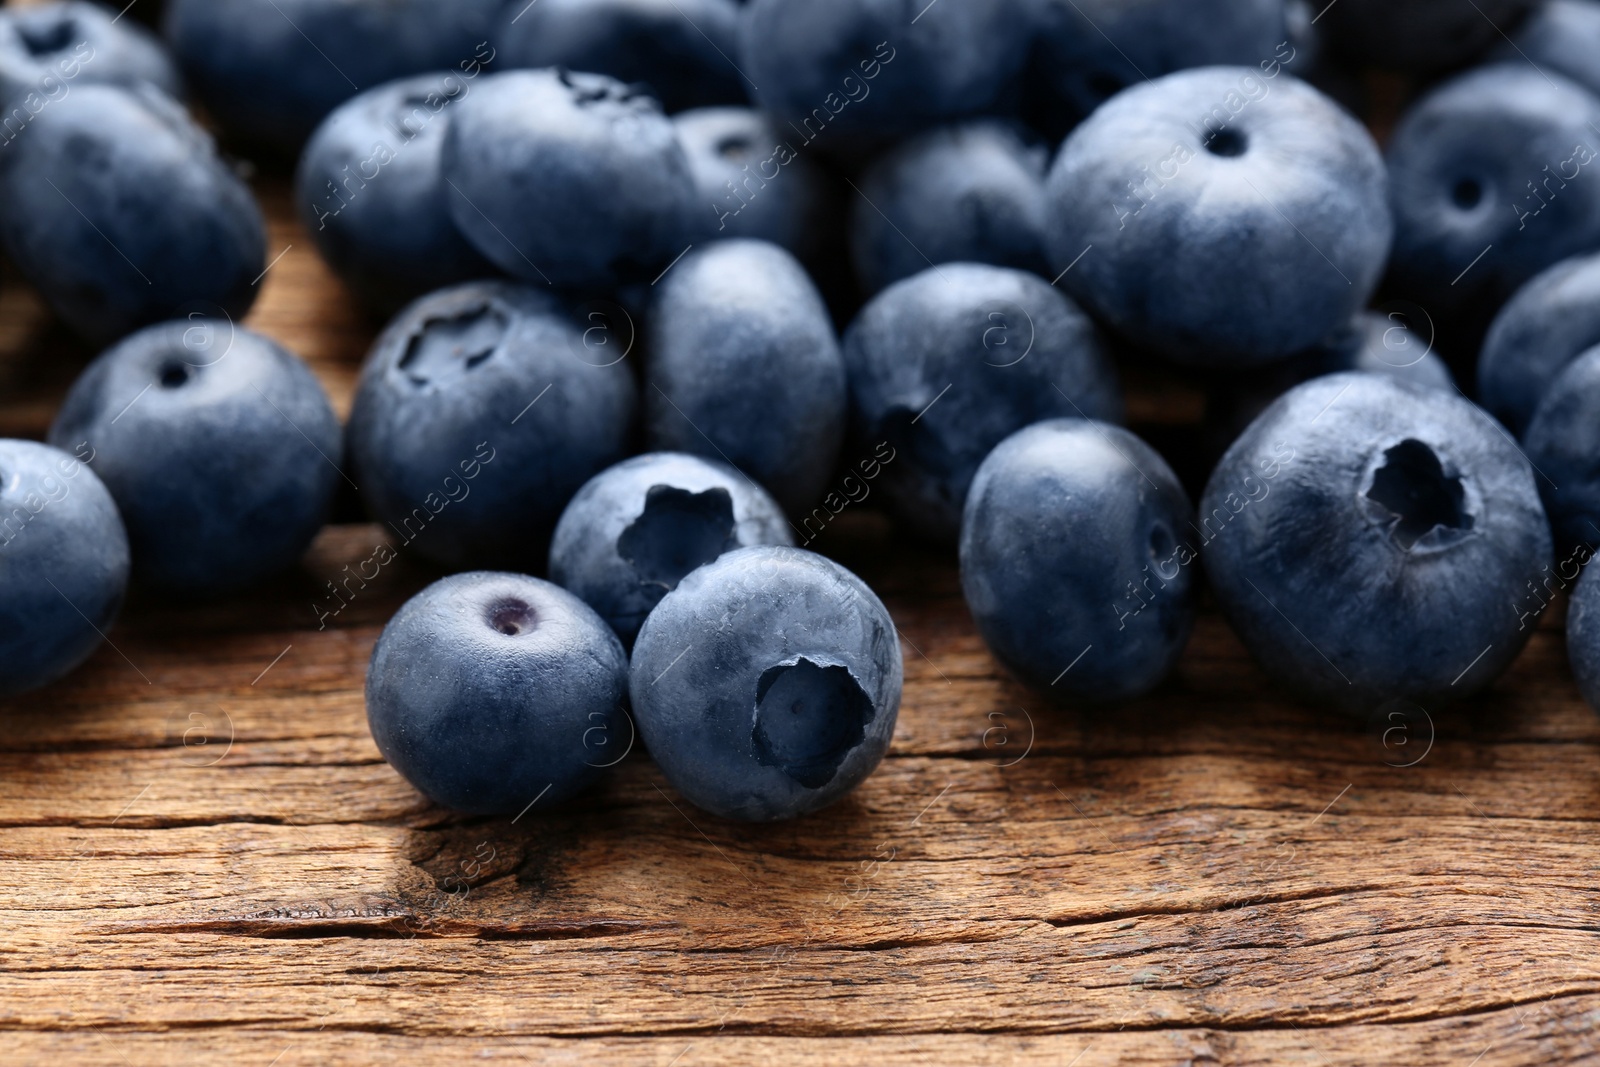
[203, 858]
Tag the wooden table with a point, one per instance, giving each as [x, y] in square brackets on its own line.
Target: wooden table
[204, 858]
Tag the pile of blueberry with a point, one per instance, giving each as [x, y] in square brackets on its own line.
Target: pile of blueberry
[671, 284]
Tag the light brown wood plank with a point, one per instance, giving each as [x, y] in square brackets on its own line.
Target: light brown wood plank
[1533, 1035]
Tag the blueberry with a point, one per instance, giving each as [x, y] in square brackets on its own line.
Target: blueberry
[492, 692]
[971, 193]
[220, 448]
[1087, 51]
[678, 49]
[749, 182]
[479, 413]
[369, 190]
[63, 564]
[568, 179]
[1486, 179]
[269, 70]
[1583, 635]
[631, 534]
[948, 363]
[1373, 341]
[1072, 530]
[842, 71]
[1418, 35]
[1309, 57]
[45, 48]
[1220, 216]
[744, 366]
[1561, 36]
[120, 212]
[1563, 444]
[1305, 37]
[767, 684]
[1385, 343]
[1542, 328]
[1368, 538]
